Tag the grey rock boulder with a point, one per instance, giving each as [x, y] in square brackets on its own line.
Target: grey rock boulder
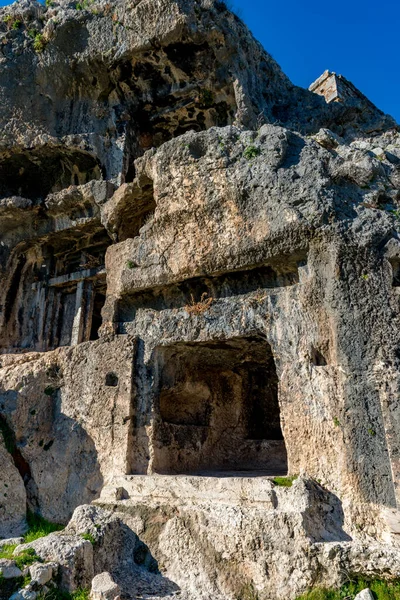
[42, 573]
[104, 587]
[8, 569]
[74, 555]
[365, 595]
[12, 497]
[113, 541]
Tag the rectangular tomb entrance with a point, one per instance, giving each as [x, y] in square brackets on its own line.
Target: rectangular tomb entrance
[217, 409]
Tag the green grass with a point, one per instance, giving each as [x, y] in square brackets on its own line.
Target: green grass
[7, 551]
[382, 590]
[25, 558]
[39, 527]
[57, 594]
[88, 537]
[285, 481]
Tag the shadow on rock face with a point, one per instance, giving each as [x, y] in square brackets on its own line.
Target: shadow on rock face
[139, 574]
[118, 551]
[55, 456]
[323, 519]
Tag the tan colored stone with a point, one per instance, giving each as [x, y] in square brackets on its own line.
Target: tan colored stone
[104, 587]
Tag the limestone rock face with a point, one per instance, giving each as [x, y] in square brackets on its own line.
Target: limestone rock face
[68, 462]
[74, 555]
[42, 573]
[200, 267]
[12, 496]
[9, 569]
[104, 588]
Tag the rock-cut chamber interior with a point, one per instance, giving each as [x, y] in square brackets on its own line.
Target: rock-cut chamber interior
[217, 409]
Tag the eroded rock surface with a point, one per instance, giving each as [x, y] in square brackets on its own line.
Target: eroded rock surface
[200, 266]
[12, 496]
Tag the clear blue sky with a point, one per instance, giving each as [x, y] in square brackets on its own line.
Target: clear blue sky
[356, 38]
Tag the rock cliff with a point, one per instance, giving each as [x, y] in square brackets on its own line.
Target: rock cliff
[200, 267]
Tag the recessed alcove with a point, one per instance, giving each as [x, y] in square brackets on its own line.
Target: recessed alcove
[217, 409]
[35, 174]
[227, 285]
[56, 291]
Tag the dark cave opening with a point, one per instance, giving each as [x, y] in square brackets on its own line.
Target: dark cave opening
[97, 320]
[35, 174]
[217, 408]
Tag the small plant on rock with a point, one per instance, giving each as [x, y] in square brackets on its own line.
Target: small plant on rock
[395, 213]
[39, 43]
[7, 551]
[285, 481]
[199, 308]
[251, 152]
[26, 558]
[206, 98]
[84, 5]
[88, 537]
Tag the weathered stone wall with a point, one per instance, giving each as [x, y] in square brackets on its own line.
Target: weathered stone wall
[70, 412]
[200, 266]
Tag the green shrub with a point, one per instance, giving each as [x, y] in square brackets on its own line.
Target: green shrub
[251, 152]
[16, 25]
[206, 98]
[285, 481]
[39, 43]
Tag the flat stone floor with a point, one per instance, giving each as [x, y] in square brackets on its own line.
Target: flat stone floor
[250, 473]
